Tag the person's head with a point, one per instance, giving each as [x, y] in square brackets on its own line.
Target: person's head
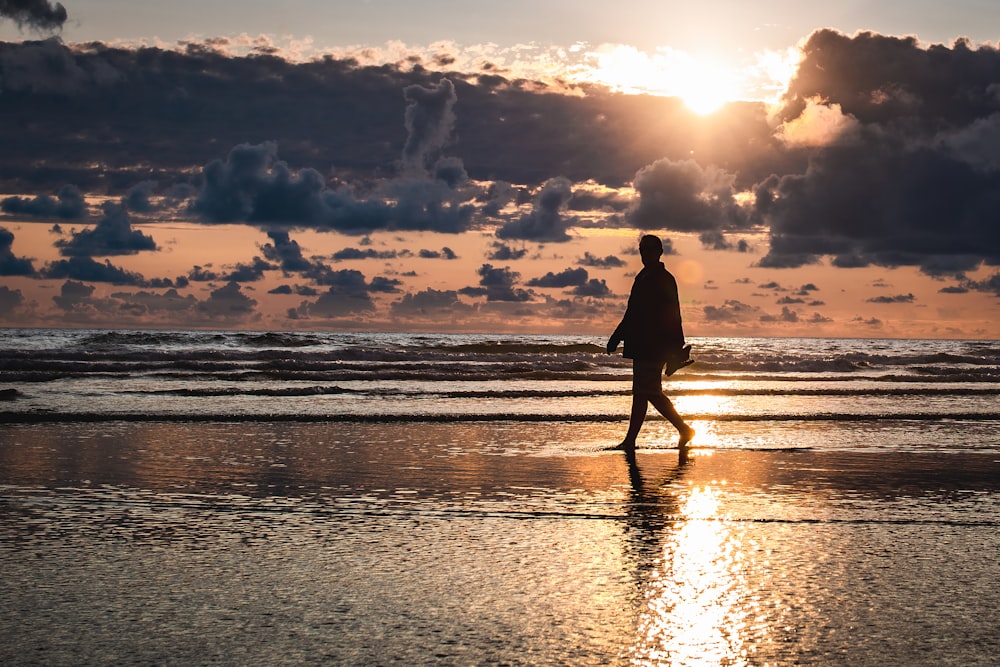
[650, 249]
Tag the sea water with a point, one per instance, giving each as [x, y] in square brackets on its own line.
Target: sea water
[743, 392]
[186, 497]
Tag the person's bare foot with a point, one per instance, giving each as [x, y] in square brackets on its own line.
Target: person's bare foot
[686, 436]
[623, 446]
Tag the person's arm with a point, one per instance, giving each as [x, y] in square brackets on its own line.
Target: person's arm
[618, 336]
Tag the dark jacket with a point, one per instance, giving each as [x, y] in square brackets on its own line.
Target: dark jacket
[651, 327]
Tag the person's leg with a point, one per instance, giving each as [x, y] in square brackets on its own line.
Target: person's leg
[635, 421]
[667, 409]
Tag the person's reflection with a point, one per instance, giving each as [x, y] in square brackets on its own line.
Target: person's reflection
[653, 509]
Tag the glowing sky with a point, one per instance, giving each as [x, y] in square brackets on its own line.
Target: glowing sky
[491, 170]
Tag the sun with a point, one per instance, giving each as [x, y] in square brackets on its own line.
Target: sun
[704, 89]
[702, 84]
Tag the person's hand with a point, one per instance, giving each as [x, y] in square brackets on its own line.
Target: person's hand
[613, 344]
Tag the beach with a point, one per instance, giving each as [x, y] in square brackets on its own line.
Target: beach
[231, 497]
[497, 542]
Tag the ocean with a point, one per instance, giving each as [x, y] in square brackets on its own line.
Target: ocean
[224, 497]
[744, 392]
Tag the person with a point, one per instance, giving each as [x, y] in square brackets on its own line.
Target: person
[654, 339]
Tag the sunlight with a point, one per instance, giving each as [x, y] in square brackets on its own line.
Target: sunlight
[703, 85]
[694, 615]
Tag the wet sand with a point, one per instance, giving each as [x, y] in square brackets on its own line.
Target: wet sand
[486, 543]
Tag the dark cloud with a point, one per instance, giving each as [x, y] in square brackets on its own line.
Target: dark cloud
[137, 197]
[731, 311]
[383, 284]
[684, 196]
[498, 284]
[10, 300]
[338, 301]
[546, 221]
[451, 171]
[68, 204]
[248, 273]
[504, 253]
[915, 182]
[228, 303]
[991, 284]
[34, 14]
[10, 264]
[594, 288]
[608, 262]
[252, 185]
[898, 298]
[429, 119]
[170, 302]
[787, 315]
[300, 290]
[113, 235]
[72, 294]
[430, 303]
[444, 253]
[566, 278]
[714, 239]
[86, 268]
[112, 97]
[367, 253]
[286, 252]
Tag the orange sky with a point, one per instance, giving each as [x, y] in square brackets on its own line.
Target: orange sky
[838, 307]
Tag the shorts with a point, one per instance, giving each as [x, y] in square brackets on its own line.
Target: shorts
[646, 375]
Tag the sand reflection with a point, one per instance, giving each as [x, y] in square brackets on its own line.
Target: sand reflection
[690, 573]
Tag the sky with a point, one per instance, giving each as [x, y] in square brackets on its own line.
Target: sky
[813, 170]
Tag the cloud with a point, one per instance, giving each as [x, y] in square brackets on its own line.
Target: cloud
[86, 268]
[170, 302]
[731, 310]
[498, 284]
[72, 295]
[818, 124]
[545, 222]
[367, 253]
[595, 288]
[444, 253]
[48, 67]
[252, 185]
[682, 195]
[69, 204]
[913, 185]
[286, 252]
[10, 300]
[787, 315]
[137, 197]
[991, 284]
[504, 253]
[228, 303]
[565, 278]
[429, 119]
[608, 262]
[10, 264]
[113, 235]
[34, 14]
[430, 303]
[898, 298]
[248, 273]
[334, 303]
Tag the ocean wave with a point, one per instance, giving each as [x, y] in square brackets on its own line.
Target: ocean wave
[384, 418]
[572, 393]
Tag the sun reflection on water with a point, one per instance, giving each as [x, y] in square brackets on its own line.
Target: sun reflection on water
[693, 609]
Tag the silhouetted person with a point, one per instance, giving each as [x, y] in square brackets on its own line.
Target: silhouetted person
[654, 339]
